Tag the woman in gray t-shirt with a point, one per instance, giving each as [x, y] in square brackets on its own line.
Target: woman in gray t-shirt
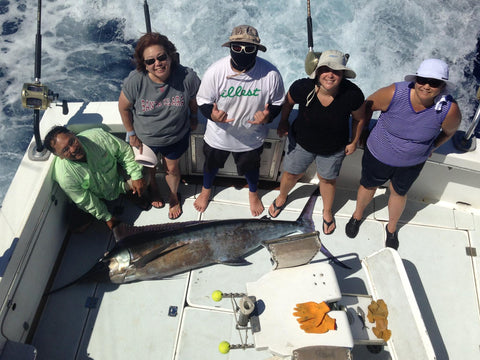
[158, 109]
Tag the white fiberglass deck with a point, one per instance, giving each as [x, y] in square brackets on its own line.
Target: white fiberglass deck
[131, 321]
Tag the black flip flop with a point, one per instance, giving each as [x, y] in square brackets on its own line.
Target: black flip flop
[328, 223]
[277, 208]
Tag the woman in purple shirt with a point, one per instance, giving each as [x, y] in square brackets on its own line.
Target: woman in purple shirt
[417, 116]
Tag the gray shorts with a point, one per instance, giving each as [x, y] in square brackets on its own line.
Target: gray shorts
[298, 160]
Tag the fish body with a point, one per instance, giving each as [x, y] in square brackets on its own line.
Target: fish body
[155, 254]
[158, 251]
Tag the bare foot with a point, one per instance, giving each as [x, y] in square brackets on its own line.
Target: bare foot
[175, 207]
[202, 200]
[256, 206]
[156, 198]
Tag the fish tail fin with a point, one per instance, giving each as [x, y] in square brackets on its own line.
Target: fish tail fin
[332, 257]
[306, 217]
[99, 272]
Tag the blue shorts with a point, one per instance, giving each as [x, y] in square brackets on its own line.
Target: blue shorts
[376, 173]
[297, 161]
[173, 151]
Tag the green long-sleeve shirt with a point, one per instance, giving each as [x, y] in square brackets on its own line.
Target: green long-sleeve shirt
[87, 183]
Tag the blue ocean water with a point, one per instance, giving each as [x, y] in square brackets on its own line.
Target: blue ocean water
[88, 45]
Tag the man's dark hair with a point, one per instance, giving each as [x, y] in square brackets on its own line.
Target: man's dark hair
[51, 137]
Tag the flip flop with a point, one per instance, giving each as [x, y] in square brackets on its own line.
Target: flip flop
[159, 206]
[328, 223]
[277, 208]
[179, 197]
[155, 198]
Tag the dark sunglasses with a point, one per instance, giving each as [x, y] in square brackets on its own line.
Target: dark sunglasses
[159, 58]
[247, 49]
[432, 82]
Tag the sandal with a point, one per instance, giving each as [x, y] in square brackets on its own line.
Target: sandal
[180, 205]
[277, 208]
[155, 197]
[328, 223]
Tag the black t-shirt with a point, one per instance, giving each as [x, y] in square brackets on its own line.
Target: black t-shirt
[324, 130]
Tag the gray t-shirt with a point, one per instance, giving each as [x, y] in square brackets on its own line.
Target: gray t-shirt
[160, 111]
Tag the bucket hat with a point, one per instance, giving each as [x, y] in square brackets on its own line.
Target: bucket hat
[147, 157]
[432, 69]
[245, 34]
[335, 60]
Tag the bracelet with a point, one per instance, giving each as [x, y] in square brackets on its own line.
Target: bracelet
[130, 133]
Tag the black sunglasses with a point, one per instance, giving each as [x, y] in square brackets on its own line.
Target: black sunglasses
[247, 49]
[432, 82]
[159, 58]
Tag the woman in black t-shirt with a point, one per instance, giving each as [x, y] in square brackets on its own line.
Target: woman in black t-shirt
[321, 131]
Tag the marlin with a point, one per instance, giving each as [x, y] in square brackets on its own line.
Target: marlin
[159, 251]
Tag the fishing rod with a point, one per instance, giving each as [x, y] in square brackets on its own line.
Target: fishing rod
[311, 60]
[37, 96]
[147, 16]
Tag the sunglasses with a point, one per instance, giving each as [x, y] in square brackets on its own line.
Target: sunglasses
[432, 82]
[159, 58]
[247, 49]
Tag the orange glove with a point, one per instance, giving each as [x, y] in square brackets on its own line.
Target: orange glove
[310, 326]
[311, 311]
[313, 317]
[378, 312]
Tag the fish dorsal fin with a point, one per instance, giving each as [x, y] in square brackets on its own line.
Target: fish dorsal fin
[152, 255]
[235, 262]
[122, 230]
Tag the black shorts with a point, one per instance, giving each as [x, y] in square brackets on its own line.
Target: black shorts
[246, 161]
[376, 173]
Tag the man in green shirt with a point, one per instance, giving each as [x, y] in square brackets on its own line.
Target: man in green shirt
[86, 168]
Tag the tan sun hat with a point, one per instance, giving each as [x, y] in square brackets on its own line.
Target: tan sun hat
[245, 34]
[147, 157]
[335, 60]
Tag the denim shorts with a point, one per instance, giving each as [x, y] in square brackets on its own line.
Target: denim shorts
[297, 161]
[173, 151]
[376, 173]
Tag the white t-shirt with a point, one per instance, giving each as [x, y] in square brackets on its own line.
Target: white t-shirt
[240, 96]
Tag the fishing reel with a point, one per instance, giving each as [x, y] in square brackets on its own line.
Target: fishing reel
[37, 96]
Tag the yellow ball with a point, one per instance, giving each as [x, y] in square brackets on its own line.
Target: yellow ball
[224, 347]
[217, 295]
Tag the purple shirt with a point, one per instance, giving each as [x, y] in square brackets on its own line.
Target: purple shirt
[402, 136]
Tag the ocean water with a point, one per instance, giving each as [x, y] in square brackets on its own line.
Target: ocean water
[88, 45]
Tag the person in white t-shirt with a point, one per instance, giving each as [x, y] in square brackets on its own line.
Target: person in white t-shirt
[239, 94]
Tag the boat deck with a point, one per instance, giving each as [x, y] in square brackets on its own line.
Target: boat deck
[101, 322]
